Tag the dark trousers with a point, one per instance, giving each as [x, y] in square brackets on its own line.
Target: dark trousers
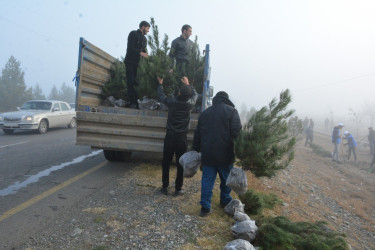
[350, 152]
[131, 74]
[174, 144]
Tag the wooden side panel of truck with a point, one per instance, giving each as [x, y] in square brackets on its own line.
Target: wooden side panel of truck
[109, 128]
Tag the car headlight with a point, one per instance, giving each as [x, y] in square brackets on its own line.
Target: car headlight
[28, 118]
[1, 118]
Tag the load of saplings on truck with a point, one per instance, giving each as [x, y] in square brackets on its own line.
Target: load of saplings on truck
[157, 64]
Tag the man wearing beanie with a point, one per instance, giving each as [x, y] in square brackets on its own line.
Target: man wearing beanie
[137, 47]
[214, 136]
[175, 142]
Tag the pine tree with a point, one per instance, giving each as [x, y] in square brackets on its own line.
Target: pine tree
[157, 64]
[38, 93]
[13, 91]
[264, 146]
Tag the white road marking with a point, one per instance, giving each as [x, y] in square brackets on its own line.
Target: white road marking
[12, 189]
[14, 144]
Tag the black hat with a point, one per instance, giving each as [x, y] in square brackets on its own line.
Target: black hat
[223, 94]
[186, 91]
[144, 23]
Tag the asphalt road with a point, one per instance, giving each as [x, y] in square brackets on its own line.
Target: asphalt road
[42, 176]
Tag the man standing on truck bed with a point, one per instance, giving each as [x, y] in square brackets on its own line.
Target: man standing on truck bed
[175, 142]
[137, 44]
[181, 50]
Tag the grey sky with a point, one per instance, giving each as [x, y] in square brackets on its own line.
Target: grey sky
[323, 51]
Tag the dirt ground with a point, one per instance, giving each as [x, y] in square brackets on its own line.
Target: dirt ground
[315, 188]
[129, 210]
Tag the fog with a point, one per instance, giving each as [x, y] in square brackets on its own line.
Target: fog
[323, 51]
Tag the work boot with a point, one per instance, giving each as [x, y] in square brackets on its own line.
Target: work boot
[178, 192]
[204, 212]
[164, 190]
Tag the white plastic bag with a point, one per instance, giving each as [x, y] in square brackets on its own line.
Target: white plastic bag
[239, 244]
[237, 181]
[190, 161]
[245, 230]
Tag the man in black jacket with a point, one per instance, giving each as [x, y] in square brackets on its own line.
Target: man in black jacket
[181, 48]
[175, 142]
[137, 44]
[214, 136]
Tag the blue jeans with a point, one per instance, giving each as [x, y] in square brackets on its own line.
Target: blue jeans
[208, 181]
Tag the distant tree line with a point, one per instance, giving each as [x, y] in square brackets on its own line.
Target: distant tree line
[14, 92]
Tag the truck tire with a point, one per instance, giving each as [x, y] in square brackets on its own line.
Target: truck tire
[122, 155]
[112, 155]
[109, 155]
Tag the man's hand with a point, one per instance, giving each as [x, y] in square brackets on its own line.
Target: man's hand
[143, 54]
[171, 71]
[160, 80]
[185, 80]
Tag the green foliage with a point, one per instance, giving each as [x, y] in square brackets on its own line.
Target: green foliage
[281, 233]
[157, 64]
[295, 126]
[37, 93]
[13, 91]
[264, 145]
[255, 202]
[65, 93]
[116, 85]
[320, 151]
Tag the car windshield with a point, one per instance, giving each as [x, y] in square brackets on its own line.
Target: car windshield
[37, 105]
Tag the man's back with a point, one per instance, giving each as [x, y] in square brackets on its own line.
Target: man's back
[217, 127]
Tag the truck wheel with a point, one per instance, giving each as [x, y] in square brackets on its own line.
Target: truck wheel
[109, 155]
[122, 155]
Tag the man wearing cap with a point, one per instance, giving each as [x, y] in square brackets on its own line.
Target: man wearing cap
[336, 140]
[214, 136]
[137, 48]
[371, 139]
[351, 143]
[175, 142]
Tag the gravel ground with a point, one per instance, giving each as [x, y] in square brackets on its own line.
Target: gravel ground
[128, 214]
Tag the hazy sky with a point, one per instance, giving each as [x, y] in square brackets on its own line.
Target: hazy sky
[323, 51]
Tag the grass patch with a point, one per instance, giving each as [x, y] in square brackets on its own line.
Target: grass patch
[95, 210]
[320, 151]
[255, 202]
[98, 219]
[281, 233]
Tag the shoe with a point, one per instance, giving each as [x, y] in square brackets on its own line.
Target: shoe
[164, 190]
[339, 162]
[178, 192]
[222, 205]
[204, 212]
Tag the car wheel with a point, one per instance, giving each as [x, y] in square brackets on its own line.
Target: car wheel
[73, 123]
[43, 127]
[8, 131]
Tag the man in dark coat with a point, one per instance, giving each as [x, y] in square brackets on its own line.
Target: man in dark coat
[214, 136]
[180, 52]
[175, 142]
[137, 47]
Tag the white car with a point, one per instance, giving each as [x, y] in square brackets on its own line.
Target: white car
[39, 115]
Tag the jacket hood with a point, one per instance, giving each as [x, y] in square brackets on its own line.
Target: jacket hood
[222, 100]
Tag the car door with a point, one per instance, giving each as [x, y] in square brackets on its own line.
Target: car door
[66, 114]
[54, 115]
